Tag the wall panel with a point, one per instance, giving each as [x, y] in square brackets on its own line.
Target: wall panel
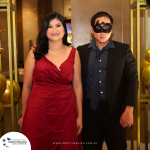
[83, 10]
[19, 29]
[30, 25]
[44, 7]
[4, 42]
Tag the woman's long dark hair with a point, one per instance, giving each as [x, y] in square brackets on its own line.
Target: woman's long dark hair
[42, 40]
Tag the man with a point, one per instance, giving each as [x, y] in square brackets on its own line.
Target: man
[110, 85]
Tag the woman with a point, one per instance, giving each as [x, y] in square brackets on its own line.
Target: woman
[52, 108]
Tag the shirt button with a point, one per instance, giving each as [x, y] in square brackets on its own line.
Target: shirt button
[99, 70]
[101, 92]
[99, 81]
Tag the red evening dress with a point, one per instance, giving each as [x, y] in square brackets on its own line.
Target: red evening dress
[50, 116]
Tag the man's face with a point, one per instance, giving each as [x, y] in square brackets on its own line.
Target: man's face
[102, 29]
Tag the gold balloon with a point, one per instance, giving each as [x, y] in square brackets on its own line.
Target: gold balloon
[2, 84]
[144, 64]
[5, 98]
[146, 76]
[147, 55]
[1, 110]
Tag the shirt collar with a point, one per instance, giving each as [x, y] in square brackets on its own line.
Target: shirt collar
[109, 45]
[92, 44]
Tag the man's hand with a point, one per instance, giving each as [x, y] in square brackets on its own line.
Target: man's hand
[126, 119]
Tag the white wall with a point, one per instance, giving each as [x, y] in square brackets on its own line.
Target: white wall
[30, 24]
[83, 10]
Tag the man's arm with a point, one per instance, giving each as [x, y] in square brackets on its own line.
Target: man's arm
[131, 74]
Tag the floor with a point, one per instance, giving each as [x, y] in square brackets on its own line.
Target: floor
[142, 146]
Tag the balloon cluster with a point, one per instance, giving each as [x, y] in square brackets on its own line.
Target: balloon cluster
[2, 90]
[145, 68]
[5, 97]
[5, 90]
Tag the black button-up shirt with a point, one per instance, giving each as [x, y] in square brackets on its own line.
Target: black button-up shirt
[102, 69]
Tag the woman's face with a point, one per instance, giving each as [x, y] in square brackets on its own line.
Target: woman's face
[55, 30]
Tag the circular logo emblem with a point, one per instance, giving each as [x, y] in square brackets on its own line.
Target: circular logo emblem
[14, 141]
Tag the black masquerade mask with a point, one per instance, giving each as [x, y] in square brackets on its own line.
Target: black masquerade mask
[102, 27]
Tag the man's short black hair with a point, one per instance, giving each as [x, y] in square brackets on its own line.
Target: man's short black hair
[101, 14]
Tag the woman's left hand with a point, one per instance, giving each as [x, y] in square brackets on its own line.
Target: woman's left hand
[79, 125]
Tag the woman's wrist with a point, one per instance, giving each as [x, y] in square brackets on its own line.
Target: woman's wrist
[80, 116]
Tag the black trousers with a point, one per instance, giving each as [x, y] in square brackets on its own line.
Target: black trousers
[99, 125]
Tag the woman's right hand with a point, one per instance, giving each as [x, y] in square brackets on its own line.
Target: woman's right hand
[20, 122]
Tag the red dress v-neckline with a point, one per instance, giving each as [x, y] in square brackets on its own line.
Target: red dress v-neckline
[61, 63]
